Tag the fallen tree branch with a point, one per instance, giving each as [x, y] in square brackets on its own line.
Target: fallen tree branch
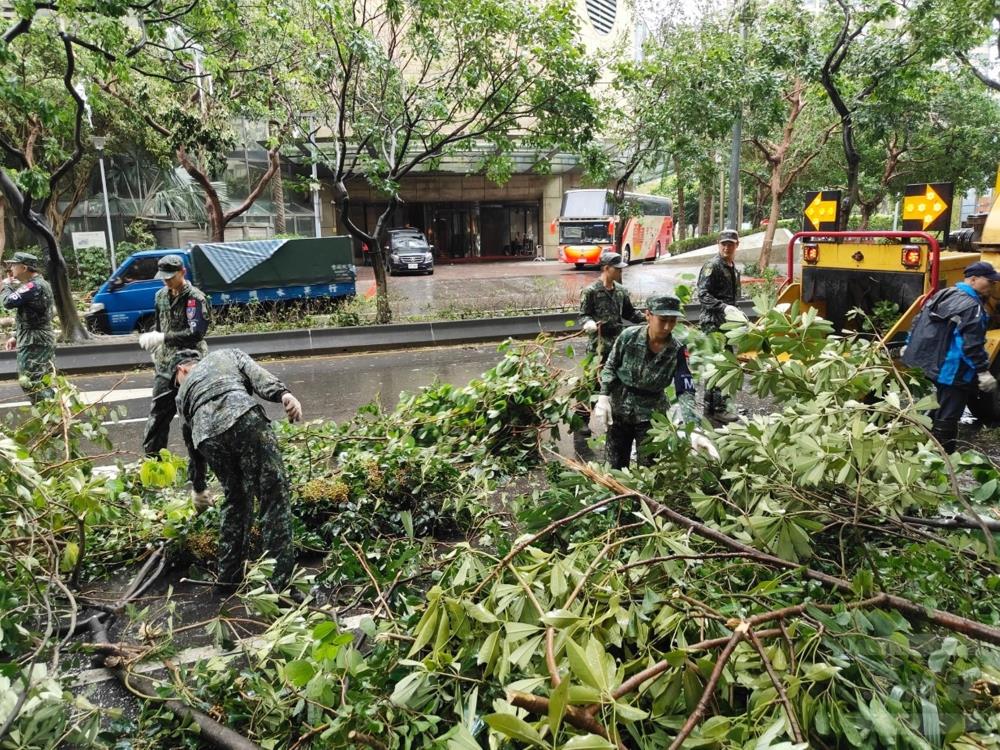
[906, 607]
[211, 732]
[955, 522]
[692, 721]
[573, 716]
[793, 720]
[361, 738]
[633, 682]
[518, 548]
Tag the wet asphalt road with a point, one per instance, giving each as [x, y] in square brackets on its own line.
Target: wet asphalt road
[333, 387]
[488, 287]
[330, 387]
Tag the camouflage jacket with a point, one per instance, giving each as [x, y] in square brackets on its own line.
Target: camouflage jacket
[33, 302]
[184, 321]
[718, 286]
[636, 379]
[611, 309]
[220, 389]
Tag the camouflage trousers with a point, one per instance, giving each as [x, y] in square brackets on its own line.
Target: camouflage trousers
[249, 466]
[34, 362]
[154, 439]
[716, 402]
[618, 442]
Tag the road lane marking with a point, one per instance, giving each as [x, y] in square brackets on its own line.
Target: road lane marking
[93, 397]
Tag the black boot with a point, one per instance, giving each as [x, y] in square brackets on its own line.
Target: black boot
[946, 432]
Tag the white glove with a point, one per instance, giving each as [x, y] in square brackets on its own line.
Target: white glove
[734, 313]
[702, 444]
[590, 327]
[150, 340]
[602, 413]
[292, 407]
[987, 383]
[202, 500]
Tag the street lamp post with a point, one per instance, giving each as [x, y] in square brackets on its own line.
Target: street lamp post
[99, 142]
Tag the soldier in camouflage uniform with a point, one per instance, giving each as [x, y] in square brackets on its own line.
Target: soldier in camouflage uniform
[25, 291]
[643, 362]
[719, 287]
[183, 317]
[605, 310]
[216, 401]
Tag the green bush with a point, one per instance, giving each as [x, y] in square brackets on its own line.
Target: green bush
[88, 268]
[693, 243]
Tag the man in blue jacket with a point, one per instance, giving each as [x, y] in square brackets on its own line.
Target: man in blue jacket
[948, 342]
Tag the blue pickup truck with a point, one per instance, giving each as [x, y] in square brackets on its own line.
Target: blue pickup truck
[230, 274]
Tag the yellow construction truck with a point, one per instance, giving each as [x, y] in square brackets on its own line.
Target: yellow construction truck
[845, 271]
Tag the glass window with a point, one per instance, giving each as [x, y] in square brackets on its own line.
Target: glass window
[589, 232]
[585, 204]
[142, 269]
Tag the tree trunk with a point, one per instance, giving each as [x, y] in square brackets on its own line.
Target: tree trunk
[704, 208]
[278, 199]
[3, 225]
[622, 213]
[772, 223]
[679, 209]
[383, 313]
[866, 209]
[216, 219]
[58, 277]
[342, 199]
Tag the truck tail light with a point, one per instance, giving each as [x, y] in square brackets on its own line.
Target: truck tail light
[611, 229]
[911, 256]
[810, 253]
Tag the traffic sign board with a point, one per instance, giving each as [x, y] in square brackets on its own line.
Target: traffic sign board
[927, 207]
[822, 213]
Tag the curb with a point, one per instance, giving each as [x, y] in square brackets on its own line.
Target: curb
[126, 354]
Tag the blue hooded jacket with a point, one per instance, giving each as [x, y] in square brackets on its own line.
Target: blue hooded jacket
[948, 338]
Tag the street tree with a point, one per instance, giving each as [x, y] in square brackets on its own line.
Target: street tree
[936, 126]
[210, 75]
[397, 87]
[49, 55]
[787, 121]
[672, 106]
[868, 44]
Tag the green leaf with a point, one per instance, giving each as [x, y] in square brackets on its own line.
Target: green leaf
[560, 618]
[557, 705]
[581, 667]
[407, 688]
[588, 742]
[515, 728]
[299, 672]
[885, 725]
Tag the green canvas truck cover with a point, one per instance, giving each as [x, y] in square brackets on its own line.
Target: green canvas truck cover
[261, 264]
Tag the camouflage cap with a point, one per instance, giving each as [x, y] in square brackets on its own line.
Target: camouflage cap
[729, 235]
[665, 305]
[181, 356]
[613, 259]
[28, 259]
[168, 265]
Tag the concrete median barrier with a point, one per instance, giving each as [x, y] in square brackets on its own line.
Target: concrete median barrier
[125, 354]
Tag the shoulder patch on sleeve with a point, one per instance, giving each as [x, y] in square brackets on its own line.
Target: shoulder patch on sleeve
[26, 287]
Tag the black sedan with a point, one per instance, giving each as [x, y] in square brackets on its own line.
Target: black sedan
[411, 255]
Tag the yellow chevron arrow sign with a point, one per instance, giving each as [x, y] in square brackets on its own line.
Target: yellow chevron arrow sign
[925, 208]
[821, 211]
